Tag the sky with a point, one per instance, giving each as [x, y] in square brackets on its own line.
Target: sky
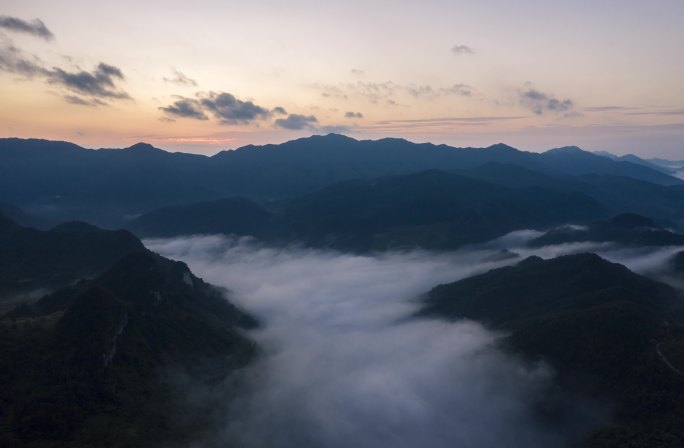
[205, 76]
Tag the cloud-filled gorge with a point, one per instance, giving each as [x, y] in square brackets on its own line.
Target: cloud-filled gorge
[344, 364]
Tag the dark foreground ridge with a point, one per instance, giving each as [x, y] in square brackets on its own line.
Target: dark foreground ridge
[34, 261]
[101, 363]
[604, 328]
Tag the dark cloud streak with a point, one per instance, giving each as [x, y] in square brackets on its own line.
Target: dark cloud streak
[540, 103]
[100, 83]
[353, 115]
[35, 27]
[187, 108]
[297, 122]
[14, 60]
[225, 107]
[461, 49]
[180, 78]
[230, 110]
[77, 100]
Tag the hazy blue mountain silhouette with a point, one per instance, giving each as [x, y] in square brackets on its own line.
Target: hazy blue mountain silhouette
[431, 209]
[626, 229]
[64, 181]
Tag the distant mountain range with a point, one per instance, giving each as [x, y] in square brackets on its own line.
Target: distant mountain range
[61, 181]
[625, 229]
[672, 167]
[431, 209]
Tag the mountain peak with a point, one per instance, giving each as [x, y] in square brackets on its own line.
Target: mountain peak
[328, 138]
[567, 150]
[334, 136]
[142, 146]
[502, 147]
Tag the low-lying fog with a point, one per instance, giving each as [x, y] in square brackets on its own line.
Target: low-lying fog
[344, 365]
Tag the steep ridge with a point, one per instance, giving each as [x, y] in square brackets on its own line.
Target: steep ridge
[101, 365]
[601, 326]
[34, 259]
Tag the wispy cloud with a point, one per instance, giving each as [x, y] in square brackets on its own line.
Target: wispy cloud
[86, 88]
[460, 49]
[661, 112]
[14, 60]
[353, 115]
[297, 122]
[637, 111]
[180, 78]
[451, 120]
[79, 101]
[35, 27]
[334, 129]
[99, 83]
[607, 108]
[224, 106]
[541, 103]
[230, 110]
[387, 91]
[185, 108]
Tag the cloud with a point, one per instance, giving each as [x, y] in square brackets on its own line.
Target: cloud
[376, 92]
[540, 103]
[230, 110]
[334, 129]
[185, 108]
[14, 60]
[424, 90]
[35, 27]
[180, 78]
[457, 89]
[343, 364]
[296, 122]
[353, 115]
[440, 122]
[606, 108]
[226, 108]
[100, 83]
[357, 72]
[659, 112]
[77, 100]
[372, 91]
[461, 49]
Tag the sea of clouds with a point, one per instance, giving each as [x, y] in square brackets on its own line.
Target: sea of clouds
[343, 362]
